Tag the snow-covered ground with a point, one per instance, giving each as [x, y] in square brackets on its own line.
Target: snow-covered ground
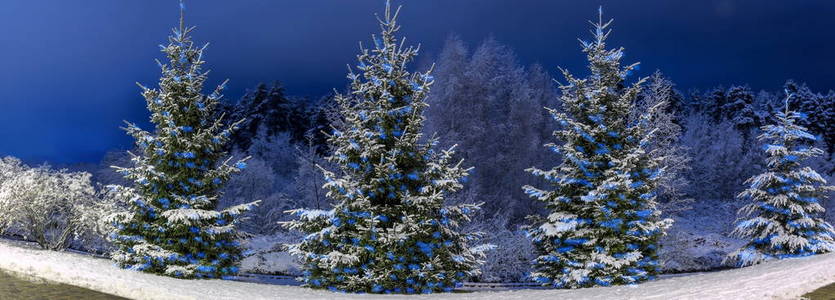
[698, 242]
[267, 259]
[787, 279]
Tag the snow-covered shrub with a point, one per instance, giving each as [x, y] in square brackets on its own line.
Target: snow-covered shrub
[257, 182]
[281, 174]
[95, 227]
[510, 260]
[9, 168]
[277, 151]
[307, 184]
[689, 247]
[46, 206]
[720, 164]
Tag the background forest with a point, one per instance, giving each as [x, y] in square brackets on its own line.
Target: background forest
[489, 104]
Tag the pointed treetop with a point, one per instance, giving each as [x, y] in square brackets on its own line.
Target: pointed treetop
[388, 23]
[600, 14]
[600, 31]
[182, 15]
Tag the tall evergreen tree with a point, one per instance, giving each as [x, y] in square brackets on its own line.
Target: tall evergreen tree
[785, 215]
[802, 100]
[172, 226]
[604, 226]
[816, 111]
[739, 109]
[712, 103]
[389, 231]
[765, 105]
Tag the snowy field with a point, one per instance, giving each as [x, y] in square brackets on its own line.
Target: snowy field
[788, 279]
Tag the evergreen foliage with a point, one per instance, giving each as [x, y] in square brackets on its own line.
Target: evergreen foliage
[734, 104]
[739, 109]
[172, 226]
[389, 231]
[712, 103]
[785, 217]
[267, 109]
[819, 111]
[603, 227]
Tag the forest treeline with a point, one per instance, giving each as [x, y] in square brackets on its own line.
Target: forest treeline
[490, 104]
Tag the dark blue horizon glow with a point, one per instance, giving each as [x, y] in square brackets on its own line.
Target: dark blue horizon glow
[69, 67]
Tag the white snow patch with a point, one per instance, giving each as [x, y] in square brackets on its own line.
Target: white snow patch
[270, 256]
[688, 250]
[785, 279]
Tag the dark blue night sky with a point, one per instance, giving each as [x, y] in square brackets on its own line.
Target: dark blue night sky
[69, 67]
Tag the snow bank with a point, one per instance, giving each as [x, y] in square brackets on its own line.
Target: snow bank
[700, 240]
[685, 249]
[270, 257]
[786, 279]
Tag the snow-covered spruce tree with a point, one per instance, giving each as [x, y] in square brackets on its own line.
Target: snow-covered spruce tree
[603, 227]
[712, 102]
[389, 230]
[819, 110]
[172, 226]
[740, 109]
[785, 215]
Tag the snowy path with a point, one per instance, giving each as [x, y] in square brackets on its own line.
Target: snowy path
[788, 279]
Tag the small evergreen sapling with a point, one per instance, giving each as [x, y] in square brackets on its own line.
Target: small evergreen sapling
[603, 227]
[785, 217]
[172, 226]
[389, 230]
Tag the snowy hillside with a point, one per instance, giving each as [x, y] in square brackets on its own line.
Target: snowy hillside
[787, 279]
